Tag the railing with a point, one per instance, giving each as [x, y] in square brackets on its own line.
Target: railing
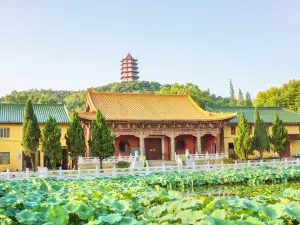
[113, 159]
[208, 156]
[139, 171]
[190, 158]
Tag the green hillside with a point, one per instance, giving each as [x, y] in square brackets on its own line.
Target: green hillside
[74, 100]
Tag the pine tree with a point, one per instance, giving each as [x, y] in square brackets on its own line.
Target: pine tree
[240, 101]
[30, 133]
[232, 100]
[261, 138]
[102, 141]
[243, 144]
[248, 101]
[51, 145]
[75, 139]
[279, 136]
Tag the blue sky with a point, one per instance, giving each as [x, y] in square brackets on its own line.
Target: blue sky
[78, 44]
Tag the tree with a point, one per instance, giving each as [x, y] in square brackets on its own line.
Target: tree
[201, 97]
[240, 101]
[51, 145]
[102, 141]
[287, 96]
[232, 101]
[279, 136]
[75, 101]
[248, 101]
[243, 144]
[75, 139]
[30, 133]
[260, 138]
[271, 97]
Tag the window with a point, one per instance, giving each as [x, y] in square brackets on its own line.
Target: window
[180, 144]
[4, 158]
[250, 129]
[4, 132]
[124, 146]
[233, 130]
[60, 131]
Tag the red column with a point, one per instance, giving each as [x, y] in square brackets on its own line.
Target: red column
[218, 143]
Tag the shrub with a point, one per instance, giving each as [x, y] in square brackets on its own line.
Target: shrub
[228, 160]
[183, 159]
[122, 164]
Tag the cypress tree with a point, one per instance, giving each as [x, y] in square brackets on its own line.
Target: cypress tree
[51, 145]
[248, 101]
[232, 100]
[240, 101]
[243, 144]
[30, 133]
[75, 139]
[261, 138]
[102, 141]
[279, 136]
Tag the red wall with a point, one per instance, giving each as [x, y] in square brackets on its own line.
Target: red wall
[190, 144]
[132, 140]
[211, 142]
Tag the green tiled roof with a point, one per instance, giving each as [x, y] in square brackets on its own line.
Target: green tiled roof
[266, 113]
[14, 113]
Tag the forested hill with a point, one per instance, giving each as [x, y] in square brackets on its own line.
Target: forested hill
[287, 96]
[74, 100]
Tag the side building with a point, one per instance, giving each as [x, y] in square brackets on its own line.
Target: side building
[291, 121]
[11, 119]
[156, 125]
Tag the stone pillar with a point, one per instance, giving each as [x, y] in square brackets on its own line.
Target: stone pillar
[142, 144]
[87, 132]
[199, 144]
[163, 148]
[42, 159]
[218, 142]
[172, 138]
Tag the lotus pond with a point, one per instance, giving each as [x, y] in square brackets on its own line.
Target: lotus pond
[261, 196]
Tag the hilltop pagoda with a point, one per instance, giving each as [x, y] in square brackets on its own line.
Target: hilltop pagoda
[129, 69]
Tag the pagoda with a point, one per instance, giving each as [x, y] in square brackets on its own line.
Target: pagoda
[129, 69]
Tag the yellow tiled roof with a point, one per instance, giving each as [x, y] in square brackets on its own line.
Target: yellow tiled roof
[148, 107]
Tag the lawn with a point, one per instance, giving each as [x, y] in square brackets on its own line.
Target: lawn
[254, 196]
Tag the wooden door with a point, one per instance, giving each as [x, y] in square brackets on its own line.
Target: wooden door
[65, 159]
[153, 149]
[287, 152]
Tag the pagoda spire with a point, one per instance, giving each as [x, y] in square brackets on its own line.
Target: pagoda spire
[129, 69]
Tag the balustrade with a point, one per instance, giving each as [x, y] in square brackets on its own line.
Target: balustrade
[140, 171]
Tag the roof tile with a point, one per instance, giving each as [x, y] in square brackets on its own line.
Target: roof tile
[14, 113]
[266, 113]
[148, 107]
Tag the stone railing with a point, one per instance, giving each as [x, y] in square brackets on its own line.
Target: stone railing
[113, 159]
[190, 158]
[139, 171]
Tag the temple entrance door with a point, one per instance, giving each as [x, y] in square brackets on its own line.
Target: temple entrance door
[153, 149]
[287, 152]
[64, 159]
